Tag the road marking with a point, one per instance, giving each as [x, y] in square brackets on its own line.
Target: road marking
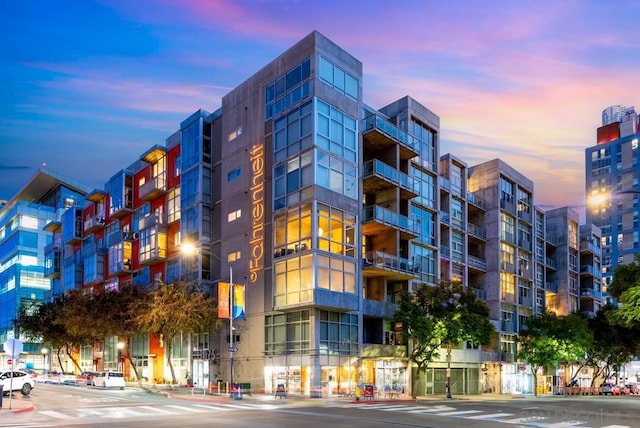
[527, 420]
[188, 409]
[491, 416]
[158, 410]
[122, 412]
[397, 408]
[56, 415]
[565, 424]
[433, 409]
[85, 413]
[617, 426]
[211, 407]
[459, 412]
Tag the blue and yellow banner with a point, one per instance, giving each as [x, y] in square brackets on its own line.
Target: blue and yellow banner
[238, 301]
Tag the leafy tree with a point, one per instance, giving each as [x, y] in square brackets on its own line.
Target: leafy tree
[625, 276]
[61, 322]
[170, 309]
[441, 315]
[626, 287]
[550, 339]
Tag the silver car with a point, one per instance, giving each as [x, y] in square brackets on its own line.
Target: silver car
[16, 380]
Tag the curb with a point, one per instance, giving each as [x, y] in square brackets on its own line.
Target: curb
[31, 408]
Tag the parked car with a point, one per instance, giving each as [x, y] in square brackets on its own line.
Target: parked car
[85, 378]
[19, 380]
[109, 380]
[606, 389]
[632, 388]
[68, 378]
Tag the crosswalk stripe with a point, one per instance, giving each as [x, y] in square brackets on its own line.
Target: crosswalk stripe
[397, 409]
[185, 408]
[121, 412]
[617, 426]
[491, 416]
[459, 412]
[158, 410]
[432, 409]
[56, 415]
[210, 407]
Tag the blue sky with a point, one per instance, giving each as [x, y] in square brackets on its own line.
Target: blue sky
[87, 86]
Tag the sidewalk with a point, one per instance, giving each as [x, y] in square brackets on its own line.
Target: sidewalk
[19, 404]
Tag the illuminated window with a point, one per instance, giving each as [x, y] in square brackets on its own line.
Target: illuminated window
[29, 222]
[234, 215]
[233, 174]
[236, 133]
[234, 256]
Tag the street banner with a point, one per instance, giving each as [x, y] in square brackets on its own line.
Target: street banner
[238, 301]
[223, 300]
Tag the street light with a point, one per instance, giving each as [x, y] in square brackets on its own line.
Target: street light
[44, 352]
[120, 347]
[189, 249]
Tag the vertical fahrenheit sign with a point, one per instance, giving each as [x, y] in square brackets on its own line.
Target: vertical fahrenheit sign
[238, 301]
[223, 300]
[256, 243]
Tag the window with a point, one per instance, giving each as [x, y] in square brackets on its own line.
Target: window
[336, 231]
[338, 333]
[288, 89]
[234, 256]
[294, 281]
[507, 286]
[234, 215]
[507, 227]
[286, 333]
[426, 140]
[235, 134]
[336, 131]
[338, 79]
[173, 205]
[336, 274]
[233, 174]
[506, 190]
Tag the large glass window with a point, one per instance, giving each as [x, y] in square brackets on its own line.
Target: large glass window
[286, 333]
[424, 262]
[338, 79]
[507, 227]
[336, 131]
[288, 89]
[426, 144]
[338, 333]
[290, 178]
[336, 231]
[173, 204]
[426, 185]
[294, 281]
[336, 274]
[506, 190]
[292, 133]
[426, 221]
[293, 231]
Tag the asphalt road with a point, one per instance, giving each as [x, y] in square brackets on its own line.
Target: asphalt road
[66, 406]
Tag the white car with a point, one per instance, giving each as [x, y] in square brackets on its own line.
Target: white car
[17, 380]
[109, 380]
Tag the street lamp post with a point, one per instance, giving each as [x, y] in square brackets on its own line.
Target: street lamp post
[232, 349]
[448, 370]
[44, 352]
[120, 347]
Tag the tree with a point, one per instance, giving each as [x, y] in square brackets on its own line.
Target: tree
[170, 309]
[549, 339]
[445, 314]
[625, 285]
[61, 322]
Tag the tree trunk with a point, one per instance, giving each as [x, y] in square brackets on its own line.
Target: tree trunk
[73, 360]
[534, 371]
[168, 347]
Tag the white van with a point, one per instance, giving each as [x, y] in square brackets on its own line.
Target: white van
[109, 380]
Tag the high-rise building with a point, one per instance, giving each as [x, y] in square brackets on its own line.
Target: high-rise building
[26, 276]
[612, 189]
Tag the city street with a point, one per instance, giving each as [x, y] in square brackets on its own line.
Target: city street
[61, 405]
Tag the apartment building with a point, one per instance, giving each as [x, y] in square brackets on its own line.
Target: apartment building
[27, 277]
[326, 209]
[612, 189]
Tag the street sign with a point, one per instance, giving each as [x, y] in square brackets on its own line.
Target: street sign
[233, 349]
[13, 347]
[9, 361]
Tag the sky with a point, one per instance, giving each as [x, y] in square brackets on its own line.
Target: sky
[87, 86]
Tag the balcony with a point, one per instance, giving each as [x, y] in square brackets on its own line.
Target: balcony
[378, 220]
[445, 252]
[476, 201]
[53, 254]
[588, 269]
[508, 237]
[525, 300]
[480, 294]
[508, 326]
[476, 231]
[94, 223]
[153, 189]
[152, 220]
[551, 263]
[378, 308]
[444, 217]
[377, 263]
[444, 183]
[588, 247]
[381, 134]
[153, 257]
[378, 175]
[477, 263]
[384, 351]
[524, 215]
[593, 294]
[121, 268]
[552, 287]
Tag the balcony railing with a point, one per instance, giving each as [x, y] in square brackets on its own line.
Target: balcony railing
[378, 123]
[590, 247]
[477, 262]
[94, 223]
[551, 263]
[477, 231]
[391, 174]
[380, 260]
[444, 217]
[153, 188]
[480, 294]
[552, 287]
[588, 269]
[476, 200]
[153, 220]
[390, 218]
